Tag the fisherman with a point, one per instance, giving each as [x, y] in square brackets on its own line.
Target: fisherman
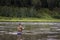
[19, 33]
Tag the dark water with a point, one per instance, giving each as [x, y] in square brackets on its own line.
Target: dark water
[32, 31]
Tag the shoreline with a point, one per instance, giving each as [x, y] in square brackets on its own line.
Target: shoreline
[29, 20]
[9, 19]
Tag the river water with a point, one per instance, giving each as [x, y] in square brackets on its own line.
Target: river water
[32, 31]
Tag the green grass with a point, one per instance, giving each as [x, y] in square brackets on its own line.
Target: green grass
[9, 19]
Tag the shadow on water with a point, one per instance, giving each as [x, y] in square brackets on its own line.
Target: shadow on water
[32, 31]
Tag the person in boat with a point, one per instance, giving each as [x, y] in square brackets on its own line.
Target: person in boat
[19, 33]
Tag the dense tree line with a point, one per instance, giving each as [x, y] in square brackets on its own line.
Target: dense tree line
[30, 8]
[29, 3]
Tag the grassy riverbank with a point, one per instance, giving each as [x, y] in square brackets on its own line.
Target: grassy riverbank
[9, 19]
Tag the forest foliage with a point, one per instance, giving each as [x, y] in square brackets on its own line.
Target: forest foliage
[30, 8]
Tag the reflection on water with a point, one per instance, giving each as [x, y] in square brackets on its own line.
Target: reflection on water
[32, 31]
[29, 37]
